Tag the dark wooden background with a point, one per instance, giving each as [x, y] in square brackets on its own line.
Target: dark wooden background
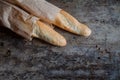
[94, 58]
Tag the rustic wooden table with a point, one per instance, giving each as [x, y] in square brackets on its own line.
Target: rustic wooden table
[94, 58]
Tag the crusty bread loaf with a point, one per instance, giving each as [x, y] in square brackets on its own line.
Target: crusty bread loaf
[52, 14]
[69, 23]
[28, 26]
[28, 18]
[44, 32]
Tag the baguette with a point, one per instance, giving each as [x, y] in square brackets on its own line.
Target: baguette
[44, 32]
[19, 20]
[28, 26]
[69, 23]
[53, 15]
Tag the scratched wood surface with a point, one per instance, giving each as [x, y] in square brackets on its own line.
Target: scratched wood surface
[94, 58]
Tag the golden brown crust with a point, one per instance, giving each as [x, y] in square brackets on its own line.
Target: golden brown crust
[46, 33]
[69, 23]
